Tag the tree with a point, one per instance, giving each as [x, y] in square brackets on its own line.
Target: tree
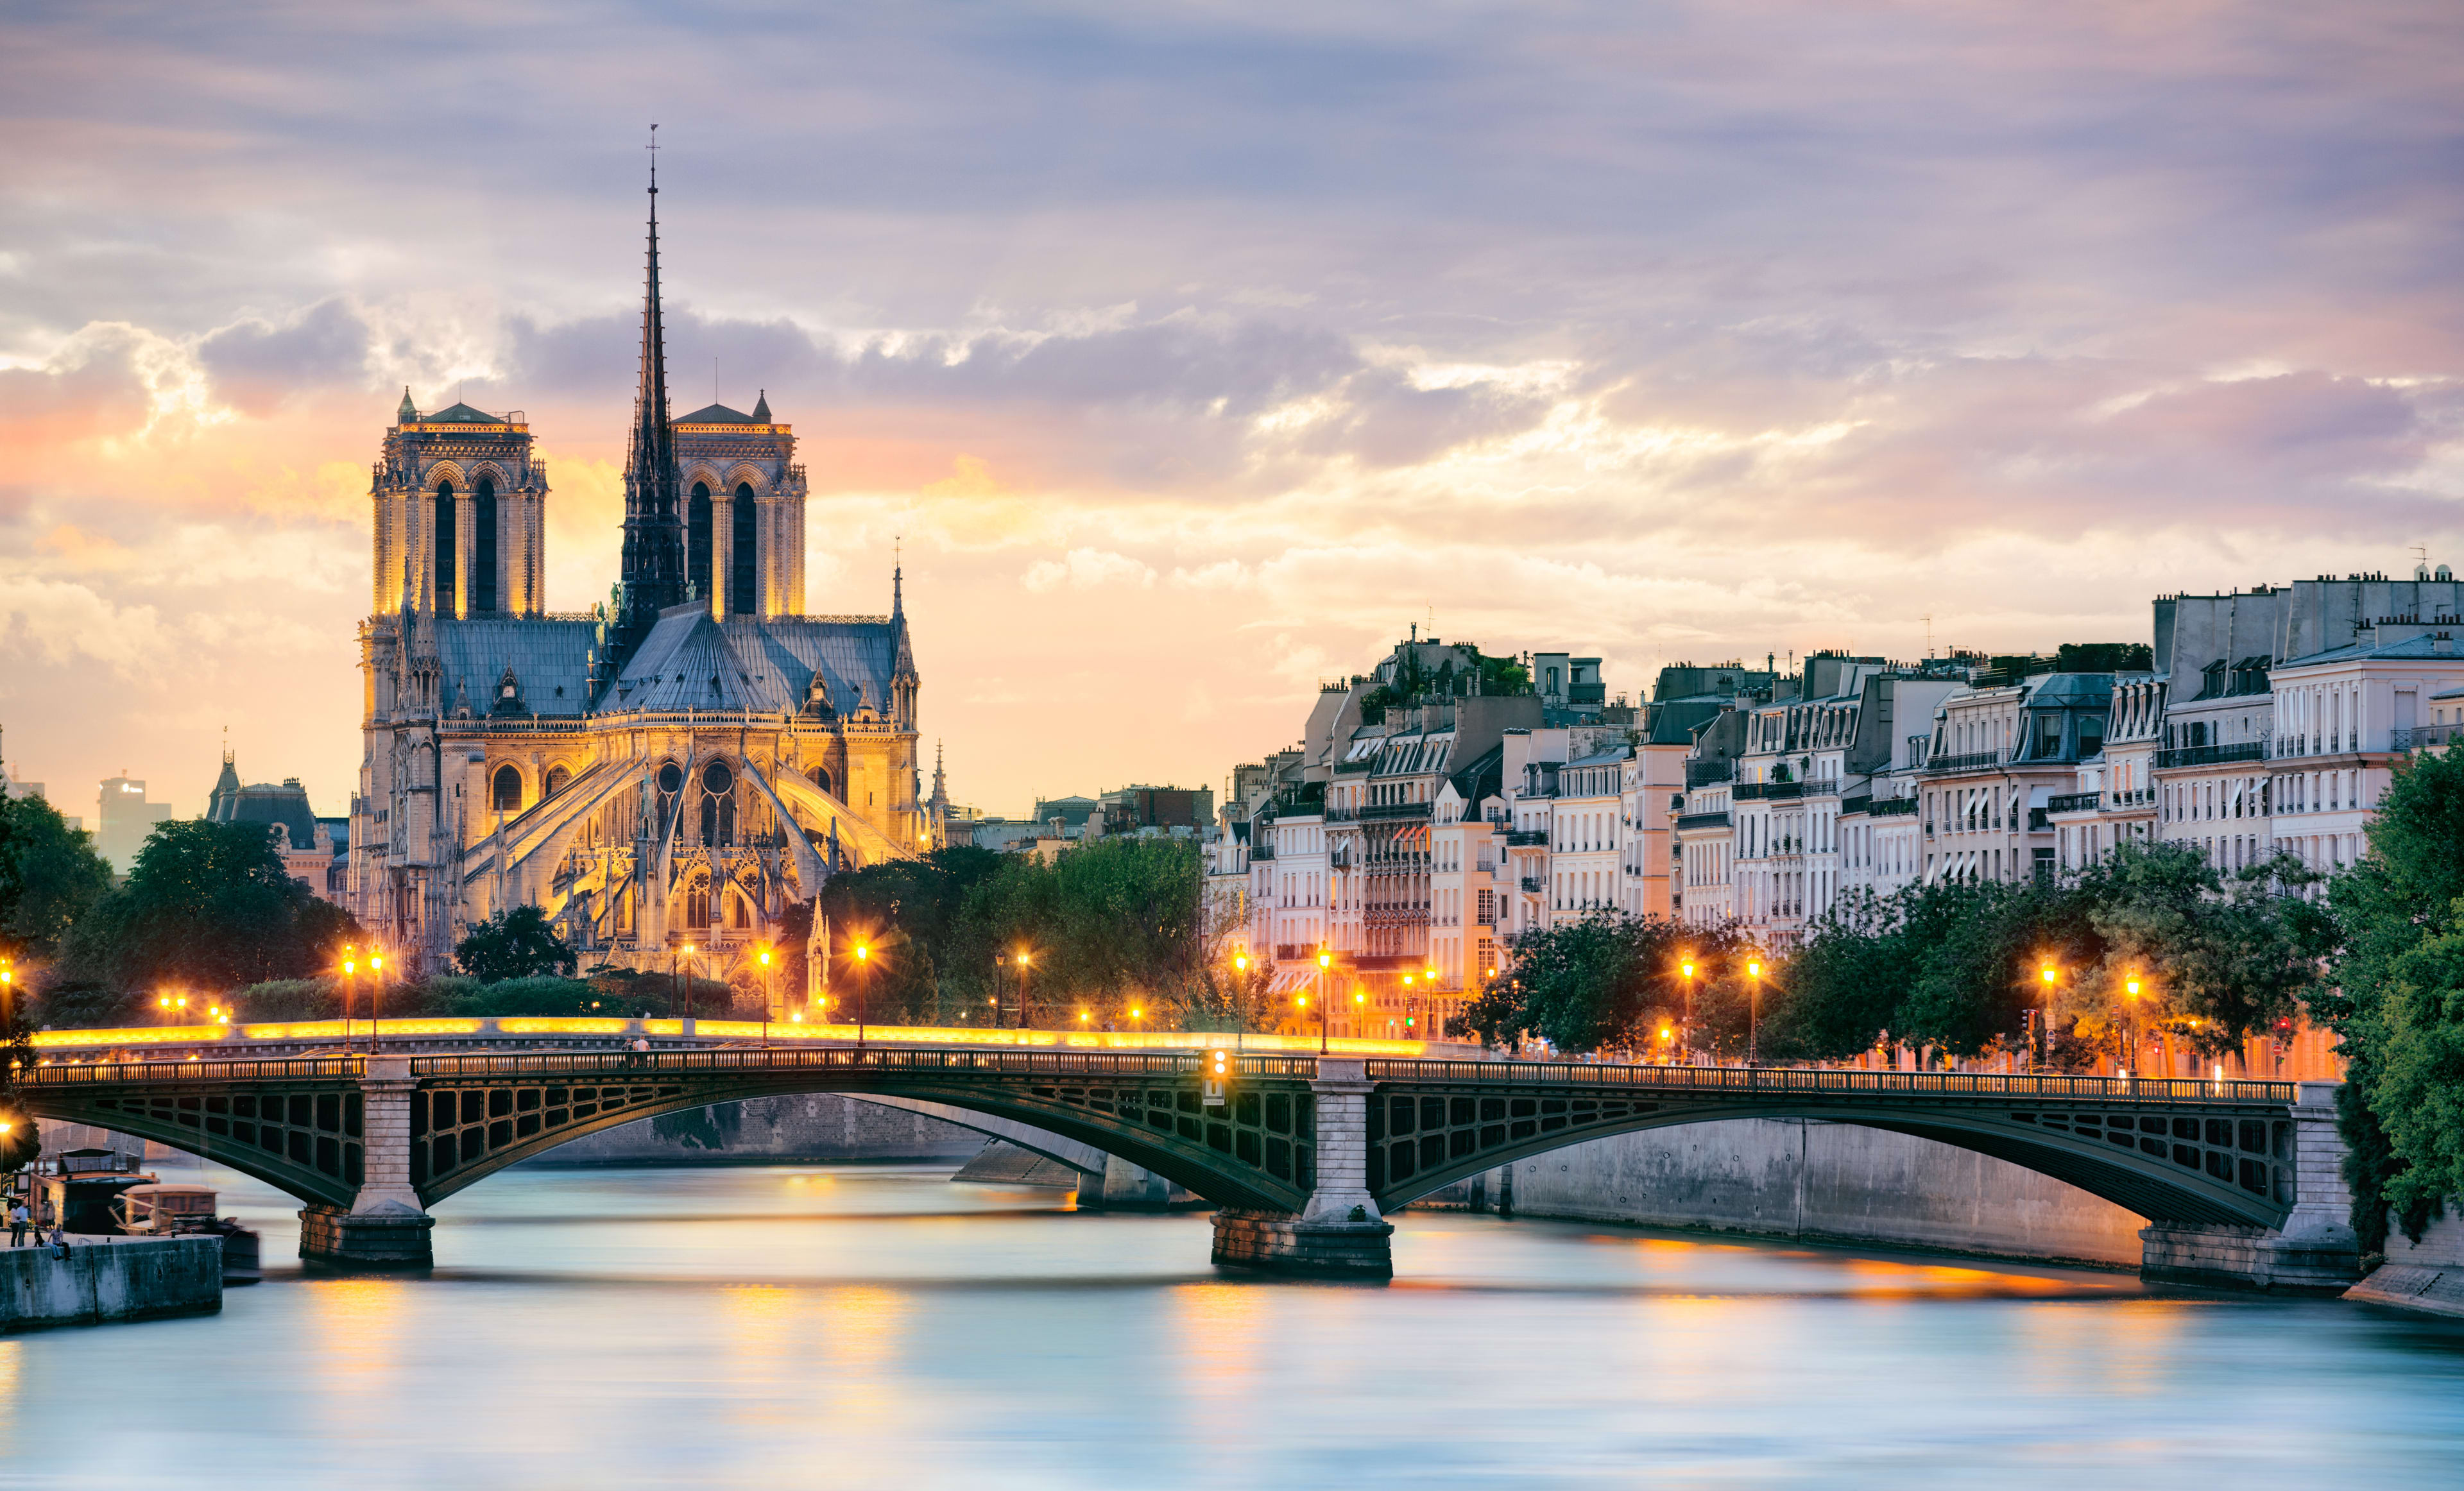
[206, 905]
[2399, 1002]
[1612, 981]
[516, 943]
[50, 876]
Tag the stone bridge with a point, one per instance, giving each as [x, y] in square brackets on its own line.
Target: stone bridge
[1302, 1155]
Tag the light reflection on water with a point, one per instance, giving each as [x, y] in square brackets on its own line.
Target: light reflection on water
[865, 1326]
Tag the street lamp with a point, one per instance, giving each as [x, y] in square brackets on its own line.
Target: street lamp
[350, 987]
[769, 996]
[1753, 1011]
[2047, 974]
[1686, 967]
[1026, 960]
[2131, 1033]
[1325, 961]
[862, 967]
[375, 990]
[684, 975]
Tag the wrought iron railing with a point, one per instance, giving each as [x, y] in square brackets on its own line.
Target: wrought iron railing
[2213, 755]
[71, 1074]
[1687, 821]
[2075, 802]
[1971, 762]
[852, 1059]
[2422, 738]
[1790, 1079]
[1702, 774]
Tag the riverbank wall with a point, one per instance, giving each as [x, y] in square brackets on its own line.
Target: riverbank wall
[814, 1129]
[110, 1279]
[2426, 1276]
[1817, 1181]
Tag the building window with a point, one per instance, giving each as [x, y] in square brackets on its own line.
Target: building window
[445, 553]
[508, 790]
[556, 778]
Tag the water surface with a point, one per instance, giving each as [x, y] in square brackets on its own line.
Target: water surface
[865, 1326]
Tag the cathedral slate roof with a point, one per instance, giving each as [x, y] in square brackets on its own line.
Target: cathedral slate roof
[715, 414]
[460, 415]
[550, 660]
[754, 663]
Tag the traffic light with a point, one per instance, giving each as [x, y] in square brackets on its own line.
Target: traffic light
[1410, 1020]
[1218, 1073]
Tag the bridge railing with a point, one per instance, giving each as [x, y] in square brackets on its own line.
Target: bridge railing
[1786, 1080]
[115, 1073]
[869, 1058]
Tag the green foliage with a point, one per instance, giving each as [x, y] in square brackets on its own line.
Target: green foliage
[1613, 981]
[23, 1141]
[207, 906]
[50, 876]
[1109, 925]
[1956, 966]
[2399, 1002]
[2103, 657]
[516, 943]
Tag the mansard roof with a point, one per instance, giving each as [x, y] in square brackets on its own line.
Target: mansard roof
[717, 414]
[459, 414]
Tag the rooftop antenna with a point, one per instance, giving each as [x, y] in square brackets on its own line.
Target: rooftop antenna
[1929, 621]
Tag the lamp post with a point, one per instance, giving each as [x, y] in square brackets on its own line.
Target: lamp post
[2046, 978]
[1687, 1027]
[769, 996]
[683, 965]
[863, 971]
[1026, 960]
[350, 988]
[1240, 988]
[1325, 961]
[1407, 995]
[1753, 1011]
[1429, 1004]
[375, 990]
[2131, 1033]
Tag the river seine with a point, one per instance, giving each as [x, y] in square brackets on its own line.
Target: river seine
[866, 1327]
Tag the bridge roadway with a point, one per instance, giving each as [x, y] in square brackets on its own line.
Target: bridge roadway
[1303, 1158]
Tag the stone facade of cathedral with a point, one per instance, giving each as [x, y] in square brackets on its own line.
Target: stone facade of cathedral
[680, 767]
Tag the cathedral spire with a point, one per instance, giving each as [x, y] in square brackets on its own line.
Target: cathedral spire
[654, 550]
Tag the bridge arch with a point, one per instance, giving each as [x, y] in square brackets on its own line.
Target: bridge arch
[2228, 1167]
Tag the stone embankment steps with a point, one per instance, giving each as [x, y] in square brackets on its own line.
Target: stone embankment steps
[110, 1279]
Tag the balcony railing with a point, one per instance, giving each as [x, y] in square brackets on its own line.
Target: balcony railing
[1687, 821]
[2425, 738]
[1526, 838]
[1394, 810]
[2213, 755]
[1972, 761]
[1532, 884]
[2075, 802]
[1702, 774]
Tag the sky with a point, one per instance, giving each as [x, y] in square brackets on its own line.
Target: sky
[1189, 354]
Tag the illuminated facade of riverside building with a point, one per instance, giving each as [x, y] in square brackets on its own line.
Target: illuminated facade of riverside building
[680, 766]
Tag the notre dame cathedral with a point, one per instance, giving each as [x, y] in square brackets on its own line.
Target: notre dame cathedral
[679, 766]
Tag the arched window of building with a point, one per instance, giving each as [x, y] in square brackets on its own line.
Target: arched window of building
[697, 541]
[556, 778]
[718, 805]
[697, 907]
[483, 546]
[822, 778]
[445, 554]
[506, 795]
[741, 585]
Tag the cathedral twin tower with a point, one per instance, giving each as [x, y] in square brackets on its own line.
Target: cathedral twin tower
[684, 765]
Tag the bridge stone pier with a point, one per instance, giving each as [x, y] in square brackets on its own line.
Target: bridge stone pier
[1339, 1233]
[386, 1226]
[2315, 1251]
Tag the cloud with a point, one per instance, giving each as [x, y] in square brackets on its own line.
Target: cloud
[1087, 569]
[256, 365]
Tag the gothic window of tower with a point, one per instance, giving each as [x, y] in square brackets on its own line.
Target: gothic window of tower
[443, 569]
[740, 580]
[483, 546]
[697, 539]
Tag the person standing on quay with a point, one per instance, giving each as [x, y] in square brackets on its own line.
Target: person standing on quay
[18, 1223]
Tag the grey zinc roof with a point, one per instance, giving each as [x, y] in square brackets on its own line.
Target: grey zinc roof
[460, 415]
[714, 414]
[2422, 646]
[546, 657]
[263, 803]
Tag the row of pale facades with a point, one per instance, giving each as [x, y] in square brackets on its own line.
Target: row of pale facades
[1406, 853]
